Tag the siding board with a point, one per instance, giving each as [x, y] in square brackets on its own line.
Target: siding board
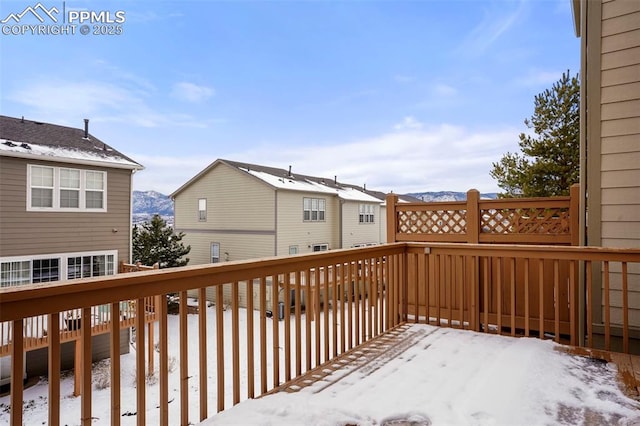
[621, 178]
[620, 24]
[625, 109]
[622, 41]
[622, 92]
[621, 58]
[619, 8]
[625, 213]
[623, 126]
[620, 144]
[625, 161]
[620, 196]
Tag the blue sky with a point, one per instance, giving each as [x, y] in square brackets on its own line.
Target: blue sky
[402, 96]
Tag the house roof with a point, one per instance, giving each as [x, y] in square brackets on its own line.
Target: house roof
[44, 141]
[284, 179]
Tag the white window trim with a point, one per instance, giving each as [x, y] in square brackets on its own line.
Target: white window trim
[56, 191]
[62, 258]
[323, 247]
[318, 201]
[366, 214]
[211, 257]
[202, 202]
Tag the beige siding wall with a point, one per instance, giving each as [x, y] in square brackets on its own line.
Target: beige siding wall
[620, 136]
[294, 231]
[25, 232]
[238, 246]
[235, 201]
[240, 216]
[354, 232]
[382, 224]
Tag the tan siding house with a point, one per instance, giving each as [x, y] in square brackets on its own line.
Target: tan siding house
[235, 211]
[610, 128]
[65, 203]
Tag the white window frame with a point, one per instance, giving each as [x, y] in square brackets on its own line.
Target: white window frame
[215, 247]
[314, 209]
[320, 247]
[110, 266]
[366, 214]
[57, 188]
[202, 209]
[293, 250]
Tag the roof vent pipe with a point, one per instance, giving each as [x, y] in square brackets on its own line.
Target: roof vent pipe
[289, 170]
[365, 186]
[86, 128]
[335, 179]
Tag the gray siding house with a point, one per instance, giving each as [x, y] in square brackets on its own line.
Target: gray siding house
[65, 213]
[65, 203]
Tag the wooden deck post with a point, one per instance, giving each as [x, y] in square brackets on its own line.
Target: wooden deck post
[472, 263]
[473, 216]
[77, 367]
[392, 220]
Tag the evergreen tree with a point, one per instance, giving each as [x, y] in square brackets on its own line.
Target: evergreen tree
[155, 242]
[550, 160]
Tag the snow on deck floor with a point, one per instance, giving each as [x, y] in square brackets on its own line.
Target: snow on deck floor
[453, 377]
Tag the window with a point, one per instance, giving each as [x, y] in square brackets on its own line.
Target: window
[90, 266]
[41, 186]
[313, 209]
[202, 209]
[320, 247]
[94, 190]
[56, 267]
[15, 273]
[64, 189]
[69, 188]
[366, 213]
[215, 252]
[46, 270]
[293, 249]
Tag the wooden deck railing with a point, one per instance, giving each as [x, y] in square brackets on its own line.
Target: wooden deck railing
[514, 221]
[356, 294]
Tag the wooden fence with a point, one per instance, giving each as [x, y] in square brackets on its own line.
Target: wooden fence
[552, 221]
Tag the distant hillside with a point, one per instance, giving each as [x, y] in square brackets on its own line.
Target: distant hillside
[448, 196]
[148, 203]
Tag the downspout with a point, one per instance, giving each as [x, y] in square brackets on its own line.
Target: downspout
[133, 172]
[340, 221]
[582, 226]
[275, 222]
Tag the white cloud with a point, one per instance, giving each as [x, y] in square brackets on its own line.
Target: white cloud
[432, 158]
[408, 123]
[444, 90]
[536, 78]
[495, 23]
[62, 101]
[190, 92]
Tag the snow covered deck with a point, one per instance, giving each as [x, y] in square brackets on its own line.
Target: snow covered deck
[424, 375]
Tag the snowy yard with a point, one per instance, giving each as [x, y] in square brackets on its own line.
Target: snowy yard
[444, 377]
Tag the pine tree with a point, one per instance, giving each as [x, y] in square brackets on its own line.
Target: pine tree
[550, 160]
[155, 242]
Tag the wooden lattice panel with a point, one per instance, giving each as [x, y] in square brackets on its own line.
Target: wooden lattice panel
[432, 222]
[550, 221]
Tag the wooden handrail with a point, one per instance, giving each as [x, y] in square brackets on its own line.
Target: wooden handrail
[350, 296]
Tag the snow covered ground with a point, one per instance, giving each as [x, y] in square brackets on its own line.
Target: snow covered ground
[446, 377]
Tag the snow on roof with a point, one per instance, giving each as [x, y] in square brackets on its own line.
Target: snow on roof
[304, 185]
[31, 150]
